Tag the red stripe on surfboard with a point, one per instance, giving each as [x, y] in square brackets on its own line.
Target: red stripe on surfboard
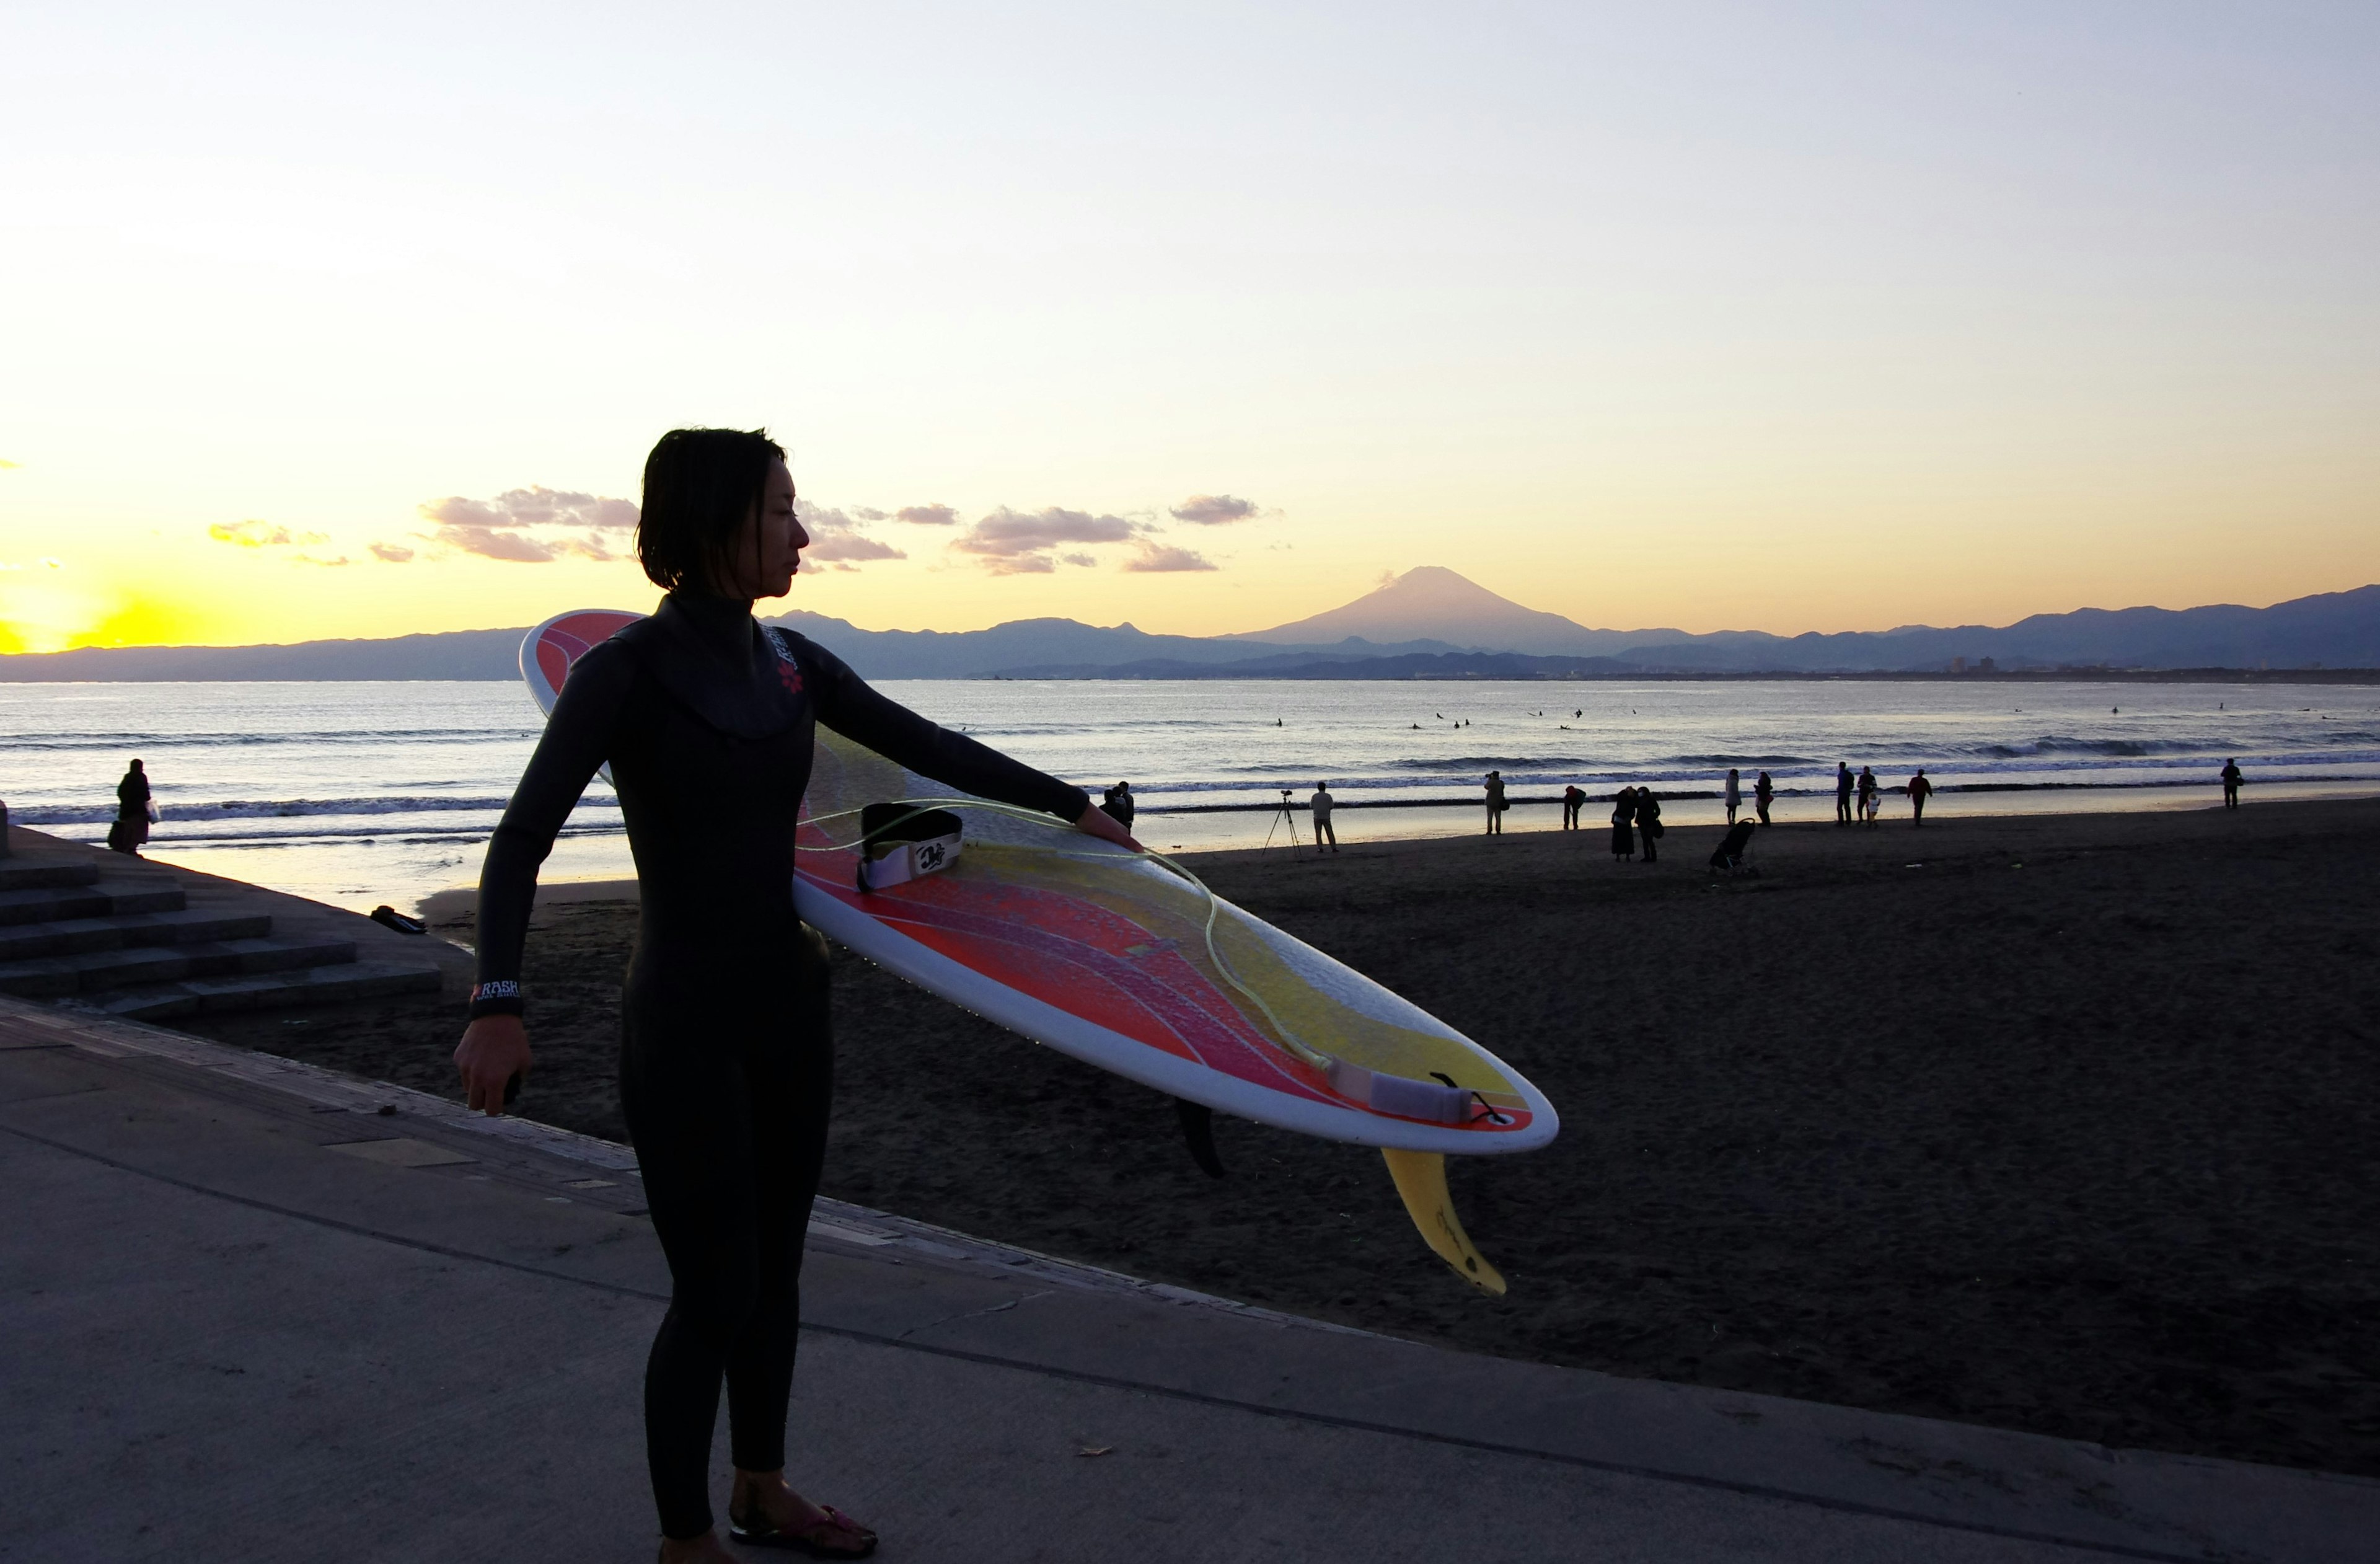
[1161, 1001]
[569, 638]
[1012, 933]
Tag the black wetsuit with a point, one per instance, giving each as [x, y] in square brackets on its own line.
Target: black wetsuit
[726, 1063]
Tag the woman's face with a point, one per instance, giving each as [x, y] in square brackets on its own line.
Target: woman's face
[767, 552]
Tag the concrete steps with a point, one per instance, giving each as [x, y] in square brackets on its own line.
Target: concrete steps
[313, 985]
[98, 897]
[46, 978]
[119, 930]
[96, 932]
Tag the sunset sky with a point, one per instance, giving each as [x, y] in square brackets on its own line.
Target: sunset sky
[332, 322]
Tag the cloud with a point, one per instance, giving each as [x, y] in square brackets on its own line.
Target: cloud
[1084, 559]
[310, 559]
[1017, 542]
[863, 513]
[1165, 557]
[836, 538]
[928, 516]
[260, 534]
[1214, 510]
[534, 506]
[500, 528]
[849, 545]
[490, 542]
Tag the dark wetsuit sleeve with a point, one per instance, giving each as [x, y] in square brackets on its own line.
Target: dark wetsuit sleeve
[577, 740]
[845, 703]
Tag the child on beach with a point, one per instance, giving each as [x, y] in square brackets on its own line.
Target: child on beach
[1763, 790]
[1734, 793]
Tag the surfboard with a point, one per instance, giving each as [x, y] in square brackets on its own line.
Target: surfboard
[1128, 963]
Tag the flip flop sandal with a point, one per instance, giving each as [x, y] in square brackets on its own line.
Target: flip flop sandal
[756, 1530]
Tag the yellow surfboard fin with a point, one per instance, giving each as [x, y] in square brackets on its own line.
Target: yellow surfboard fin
[1421, 1180]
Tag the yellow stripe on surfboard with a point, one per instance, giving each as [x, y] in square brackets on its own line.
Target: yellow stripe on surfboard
[1421, 1180]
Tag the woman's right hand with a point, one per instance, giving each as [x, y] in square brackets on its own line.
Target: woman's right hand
[494, 1049]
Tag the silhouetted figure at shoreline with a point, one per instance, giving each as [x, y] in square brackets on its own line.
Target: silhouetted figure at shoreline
[1919, 790]
[2231, 780]
[1734, 793]
[1321, 804]
[1870, 806]
[1623, 824]
[1762, 792]
[1843, 792]
[1648, 823]
[1117, 801]
[1496, 804]
[130, 831]
[1573, 801]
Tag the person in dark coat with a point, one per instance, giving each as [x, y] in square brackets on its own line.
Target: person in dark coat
[131, 828]
[1623, 824]
[1648, 823]
[1762, 792]
[1496, 803]
[1573, 801]
[1117, 801]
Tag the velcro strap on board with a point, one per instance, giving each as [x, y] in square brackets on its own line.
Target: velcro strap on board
[1432, 1102]
[892, 862]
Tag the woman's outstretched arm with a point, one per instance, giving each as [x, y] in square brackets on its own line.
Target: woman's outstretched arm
[845, 703]
[577, 739]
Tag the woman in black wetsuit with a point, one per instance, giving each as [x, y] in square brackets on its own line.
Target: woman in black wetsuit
[726, 1065]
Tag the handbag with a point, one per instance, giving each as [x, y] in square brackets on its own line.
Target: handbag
[153, 815]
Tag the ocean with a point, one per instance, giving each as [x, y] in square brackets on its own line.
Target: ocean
[361, 794]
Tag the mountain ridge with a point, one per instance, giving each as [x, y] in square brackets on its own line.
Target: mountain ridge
[1437, 625]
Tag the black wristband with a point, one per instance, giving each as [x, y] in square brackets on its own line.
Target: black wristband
[500, 995]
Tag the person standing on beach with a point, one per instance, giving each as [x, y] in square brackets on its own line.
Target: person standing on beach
[1623, 824]
[1763, 790]
[707, 720]
[1843, 792]
[1495, 803]
[1573, 802]
[1322, 803]
[1919, 790]
[1869, 807]
[1648, 823]
[1117, 801]
[130, 831]
[1734, 793]
[2230, 783]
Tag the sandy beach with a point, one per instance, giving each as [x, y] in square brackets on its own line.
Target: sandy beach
[2057, 1122]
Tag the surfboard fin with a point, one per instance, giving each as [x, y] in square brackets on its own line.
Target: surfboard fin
[1421, 1180]
[1198, 1131]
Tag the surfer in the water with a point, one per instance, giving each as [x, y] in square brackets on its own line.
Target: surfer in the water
[725, 1063]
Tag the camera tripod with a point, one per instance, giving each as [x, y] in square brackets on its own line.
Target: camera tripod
[1282, 816]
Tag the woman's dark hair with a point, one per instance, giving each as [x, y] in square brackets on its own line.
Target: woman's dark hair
[700, 485]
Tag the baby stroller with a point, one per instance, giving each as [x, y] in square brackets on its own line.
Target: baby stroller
[1733, 854]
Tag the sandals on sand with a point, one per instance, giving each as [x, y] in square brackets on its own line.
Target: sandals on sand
[835, 1535]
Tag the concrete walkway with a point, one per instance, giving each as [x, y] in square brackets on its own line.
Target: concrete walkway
[253, 1310]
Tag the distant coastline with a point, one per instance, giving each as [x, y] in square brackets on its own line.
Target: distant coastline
[1428, 625]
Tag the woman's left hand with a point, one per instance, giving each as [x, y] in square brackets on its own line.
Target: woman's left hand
[1096, 821]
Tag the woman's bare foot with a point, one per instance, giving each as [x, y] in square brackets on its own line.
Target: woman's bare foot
[760, 1501]
[704, 1549]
